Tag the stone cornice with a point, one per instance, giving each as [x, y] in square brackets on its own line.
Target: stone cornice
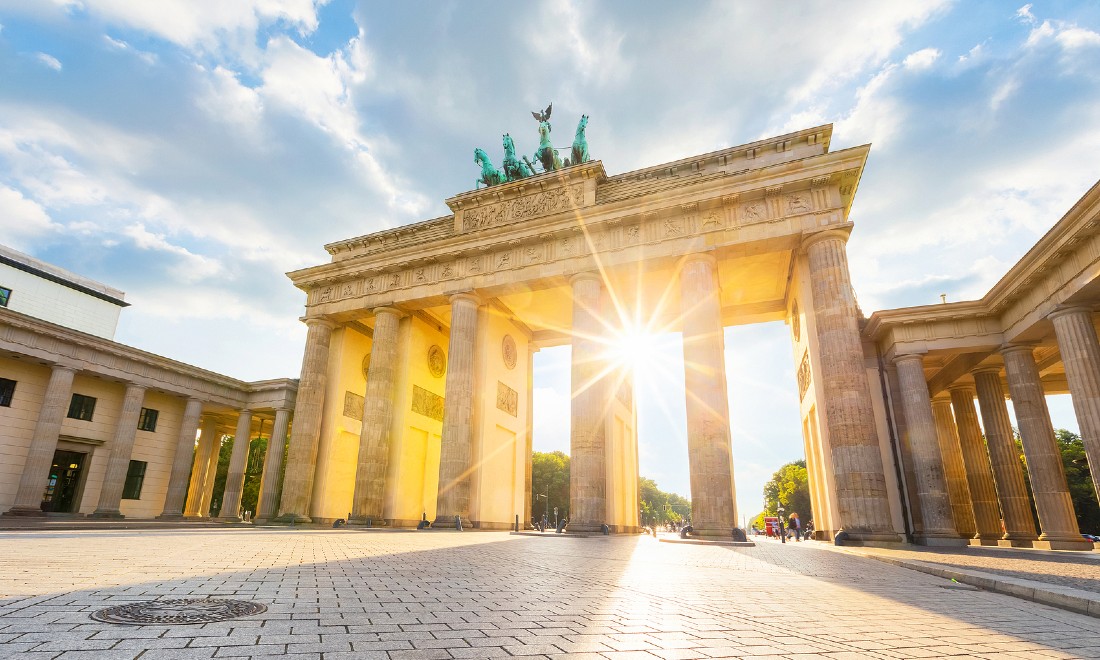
[50, 343]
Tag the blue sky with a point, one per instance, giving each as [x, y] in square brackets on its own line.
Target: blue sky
[189, 153]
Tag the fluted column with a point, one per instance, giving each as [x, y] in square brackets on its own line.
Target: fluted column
[939, 524]
[588, 409]
[710, 456]
[181, 463]
[306, 433]
[32, 482]
[456, 443]
[238, 464]
[529, 445]
[1080, 351]
[374, 439]
[902, 430]
[200, 471]
[1019, 524]
[849, 414]
[267, 507]
[122, 445]
[979, 474]
[954, 470]
[207, 502]
[1053, 504]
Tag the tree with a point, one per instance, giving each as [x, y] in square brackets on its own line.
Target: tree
[789, 486]
[550, 477]
[1081, 489]
[250, 494]
[659, 506]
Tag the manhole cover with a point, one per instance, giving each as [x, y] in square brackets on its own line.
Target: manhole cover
[178, 611]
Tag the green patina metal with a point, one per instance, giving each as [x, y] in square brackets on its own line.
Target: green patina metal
[546, 155]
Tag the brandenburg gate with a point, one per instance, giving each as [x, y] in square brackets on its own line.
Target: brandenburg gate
[416, 386]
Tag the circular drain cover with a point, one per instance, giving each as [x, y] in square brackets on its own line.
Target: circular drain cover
[178, 611]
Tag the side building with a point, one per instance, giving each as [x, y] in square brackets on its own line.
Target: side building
[89, 426]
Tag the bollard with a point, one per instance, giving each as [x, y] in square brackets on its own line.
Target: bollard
[561, 526]
[605, 529]
[458, 523]
[370, 523]
[517, 523]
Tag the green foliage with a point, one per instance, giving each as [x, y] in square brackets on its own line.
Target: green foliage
[789, 486]
[550, 477]
[659, 506]
[254, 473]
[224, 454]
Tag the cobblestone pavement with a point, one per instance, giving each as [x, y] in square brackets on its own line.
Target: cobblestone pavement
[1079, 570]
[337, 594]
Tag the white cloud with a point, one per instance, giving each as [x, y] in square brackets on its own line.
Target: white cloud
[191, 268]
[922, 59]
[1025, 15]
[23, 218]
[876, 116]
[48, 60]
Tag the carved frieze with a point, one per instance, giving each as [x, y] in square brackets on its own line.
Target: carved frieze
[353, 406]
[508, 351]
[437, 361]
[798, 202]
[427, 403]
[507, 399]
[522, 208]
[753, 212]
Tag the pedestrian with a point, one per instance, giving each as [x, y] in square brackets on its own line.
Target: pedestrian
[779, 529]
[796, 526]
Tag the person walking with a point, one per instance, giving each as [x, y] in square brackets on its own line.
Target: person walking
[796, 526]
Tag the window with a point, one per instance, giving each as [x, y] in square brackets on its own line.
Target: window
[7, 390]
[5, 296]
[148, 420]
[82, 407]
[135, 477]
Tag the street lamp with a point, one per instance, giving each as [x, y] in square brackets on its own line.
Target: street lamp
[545, 498]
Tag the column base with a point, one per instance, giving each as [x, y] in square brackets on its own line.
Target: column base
[25, 512]
[579, 527]
[867, 538]
[448, 522]
[169, 516]
[107, 515]
[1083, 544]
[1014, 543]
[717, 533]
[229, 519]
[293, 519]
[985, 542]
[941, 541]
[369, 521]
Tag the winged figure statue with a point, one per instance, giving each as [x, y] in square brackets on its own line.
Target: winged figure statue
[543, 116]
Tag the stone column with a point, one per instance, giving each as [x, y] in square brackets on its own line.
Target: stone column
[200, 471]
[529, 448]
[207, 502]
[1019, 524]
[181, 463]
[939, 524]
[306, 433]
[238, 465]
[979, 474]
[122, 445]
[374, 440]
[954, 470]
[1080, 352]
[267, 507]
[860, 482]
[1057, 520]
[710, 457]
[457, 439]
[588, 473]
[32, 482]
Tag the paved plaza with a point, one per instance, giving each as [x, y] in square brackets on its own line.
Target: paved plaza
[337, 594]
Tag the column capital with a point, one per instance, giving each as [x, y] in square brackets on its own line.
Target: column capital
[284, 409]
[389, 310]
[818, 237]
[942, 397]
[994, 369]
[1008, 349]
[906, 357]
[311, 321]
[963, 387]
[587, 275]
[468, 296]
[1069, 310]
[57, 366]
[707, 257]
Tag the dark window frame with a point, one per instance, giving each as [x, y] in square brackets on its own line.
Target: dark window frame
[7, 391]
[147, 421]
[135, 480]
[82, 407]
[5, 296]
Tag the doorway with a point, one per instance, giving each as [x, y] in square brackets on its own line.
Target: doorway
[64, 481]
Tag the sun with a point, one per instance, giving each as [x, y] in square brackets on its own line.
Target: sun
[634, 349]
